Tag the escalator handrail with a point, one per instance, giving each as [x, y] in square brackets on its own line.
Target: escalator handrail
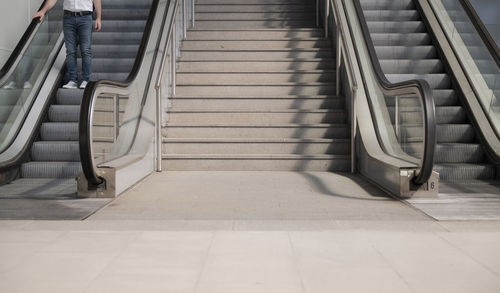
[20, 48]
[426, 95]
[89, 95]
[482, 30]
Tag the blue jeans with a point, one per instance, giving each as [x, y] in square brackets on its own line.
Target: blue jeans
[78, 28]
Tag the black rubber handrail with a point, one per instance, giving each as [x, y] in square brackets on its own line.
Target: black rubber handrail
[84, 127]
[20, 47]
[426, 94]
[482, 30]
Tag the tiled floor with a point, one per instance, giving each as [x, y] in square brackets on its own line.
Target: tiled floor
[251, 232]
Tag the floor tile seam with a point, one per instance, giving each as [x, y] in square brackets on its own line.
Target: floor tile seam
[204, 265]
[394, 269]
[116, 254]
[296, 262]
[468, 255]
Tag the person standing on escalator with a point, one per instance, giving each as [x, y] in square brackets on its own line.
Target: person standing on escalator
[77, 28]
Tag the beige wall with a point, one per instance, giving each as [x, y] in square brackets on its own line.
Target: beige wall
[15, 16]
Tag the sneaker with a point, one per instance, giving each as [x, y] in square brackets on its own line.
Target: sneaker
[10, 85]
[27, 85]
[70, 85]
[83, 84]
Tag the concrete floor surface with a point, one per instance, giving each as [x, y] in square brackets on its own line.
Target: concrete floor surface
[251, 232]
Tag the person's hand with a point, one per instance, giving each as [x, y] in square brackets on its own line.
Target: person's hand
[40, 14]
[97, 24]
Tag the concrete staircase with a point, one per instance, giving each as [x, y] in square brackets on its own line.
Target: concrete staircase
[256, 91]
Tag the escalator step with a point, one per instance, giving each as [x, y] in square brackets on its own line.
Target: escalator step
[55, 151]
[50, 169]
[64, 113]
[59, 131]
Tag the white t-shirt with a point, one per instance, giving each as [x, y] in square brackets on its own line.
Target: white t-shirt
[78, 5]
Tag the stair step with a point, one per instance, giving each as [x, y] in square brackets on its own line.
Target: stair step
[290, 54]
[50, 169]
[255, 66]
[278, 162]
[282, 116]
[271, 8]
[251, 78]
[258, 103]
[257, 16]
[271, 23]
[258, 90]
[55, 151]
[288, 130]
[261, 45]
[256, 146]
[249, 2]
[268, 34]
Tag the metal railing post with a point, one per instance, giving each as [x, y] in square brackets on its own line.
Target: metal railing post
[184, 20]
[173, 47]
[338, 61]
[159, 141]
[354, 126]
[192, 12]
[317, 13]
[327, 13]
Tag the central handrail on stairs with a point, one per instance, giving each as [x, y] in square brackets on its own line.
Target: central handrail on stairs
[117, 150]
[386, 147]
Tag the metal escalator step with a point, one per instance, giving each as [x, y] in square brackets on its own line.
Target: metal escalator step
[406, 52]
[444, 115]
[408, 27]
[55, 151]
[112, 65]
[399, 39]
[50, 169]
[445, 133]
[64, 113]
[123, 25]
[435, 80]
[115, 76]
[59, 131]
[387, 4]
[451, 115]
[101, 38]
[69, 96]
[458, 153]
[462, 171]
[114, 51]
[402, 66]
[388, 15]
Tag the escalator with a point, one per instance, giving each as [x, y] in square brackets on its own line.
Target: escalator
[407, 49]
[40, 130]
